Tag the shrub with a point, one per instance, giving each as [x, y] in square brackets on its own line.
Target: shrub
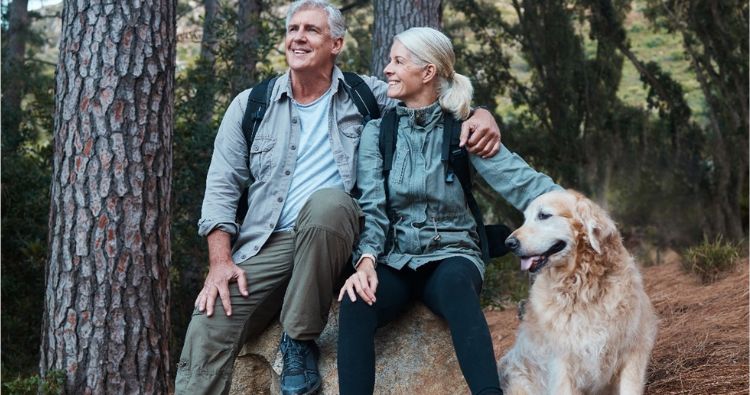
[53, 384]
[711, 258]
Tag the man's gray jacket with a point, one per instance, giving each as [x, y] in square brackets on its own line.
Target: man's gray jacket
[272, 160]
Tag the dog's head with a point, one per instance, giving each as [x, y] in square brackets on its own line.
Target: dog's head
[557, 225]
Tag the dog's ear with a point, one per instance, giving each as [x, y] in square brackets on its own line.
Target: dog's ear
[596, 223]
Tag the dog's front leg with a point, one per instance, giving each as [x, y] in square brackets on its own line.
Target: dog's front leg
[632, 376]
[560, 381]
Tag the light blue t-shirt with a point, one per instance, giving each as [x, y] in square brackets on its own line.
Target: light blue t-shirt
[315, 168]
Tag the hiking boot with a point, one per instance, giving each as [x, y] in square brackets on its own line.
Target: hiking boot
[300, 373]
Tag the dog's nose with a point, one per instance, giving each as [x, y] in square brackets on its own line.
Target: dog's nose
[512, 243]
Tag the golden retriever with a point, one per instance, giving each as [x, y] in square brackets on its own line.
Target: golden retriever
[589, 326]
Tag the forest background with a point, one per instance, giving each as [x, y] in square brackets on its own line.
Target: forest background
[640, 104]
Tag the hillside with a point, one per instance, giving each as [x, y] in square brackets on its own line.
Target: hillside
[702, 345]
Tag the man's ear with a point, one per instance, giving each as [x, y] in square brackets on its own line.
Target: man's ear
[429, 73]
[338, 46]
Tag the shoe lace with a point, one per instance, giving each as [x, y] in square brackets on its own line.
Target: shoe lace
[294, 360]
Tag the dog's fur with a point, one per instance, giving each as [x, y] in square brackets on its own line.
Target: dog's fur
[589, 326]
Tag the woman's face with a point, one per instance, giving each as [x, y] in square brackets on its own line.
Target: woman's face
[406, 80]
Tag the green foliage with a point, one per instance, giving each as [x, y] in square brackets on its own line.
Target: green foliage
[715, 40]
[24, 187]
[52, 384]
[358, 41]
[710, 259]
[650, 157]
[203, 91]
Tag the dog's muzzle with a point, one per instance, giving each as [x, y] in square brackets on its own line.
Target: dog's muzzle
[533, 263]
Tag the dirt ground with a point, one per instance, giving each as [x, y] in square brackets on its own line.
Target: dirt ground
[702, 345]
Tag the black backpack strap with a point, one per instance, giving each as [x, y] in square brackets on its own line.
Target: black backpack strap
[387, 144]
[456, 160]
[362, 96]
[257, 103]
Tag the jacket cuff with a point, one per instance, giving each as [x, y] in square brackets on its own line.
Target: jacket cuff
[374, 260]
[206, 226]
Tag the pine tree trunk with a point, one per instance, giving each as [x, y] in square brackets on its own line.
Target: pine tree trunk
[248, 31]
[13, 83]
[393, 17]
[106, 319]
[206, 90]
[209, 41]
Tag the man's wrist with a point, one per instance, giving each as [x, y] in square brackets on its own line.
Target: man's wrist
[474, 109]
[219, 247]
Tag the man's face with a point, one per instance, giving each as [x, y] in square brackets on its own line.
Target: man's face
[309, 45]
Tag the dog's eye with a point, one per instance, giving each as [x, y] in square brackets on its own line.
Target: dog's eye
[542, 216]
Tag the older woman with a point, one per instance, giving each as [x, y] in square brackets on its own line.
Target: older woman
[420, 241]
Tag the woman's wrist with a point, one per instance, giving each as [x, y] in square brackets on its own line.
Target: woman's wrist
[365, 262]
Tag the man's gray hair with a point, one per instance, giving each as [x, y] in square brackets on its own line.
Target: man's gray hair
[336, 22]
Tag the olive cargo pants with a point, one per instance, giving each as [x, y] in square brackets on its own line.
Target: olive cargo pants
[295, 272]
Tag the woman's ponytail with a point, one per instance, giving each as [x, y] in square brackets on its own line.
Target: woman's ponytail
[455, 95]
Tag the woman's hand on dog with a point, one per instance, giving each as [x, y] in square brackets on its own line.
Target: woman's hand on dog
[364, 281]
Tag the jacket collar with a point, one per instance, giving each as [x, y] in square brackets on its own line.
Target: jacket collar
[283, 86]
[424, 117]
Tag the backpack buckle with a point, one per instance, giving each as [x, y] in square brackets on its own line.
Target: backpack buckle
[450, 176]
[459, 152]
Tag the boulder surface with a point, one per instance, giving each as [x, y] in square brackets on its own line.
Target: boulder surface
[414, 355]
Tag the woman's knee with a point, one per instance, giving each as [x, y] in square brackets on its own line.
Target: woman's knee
[453, 288]
[353, 311]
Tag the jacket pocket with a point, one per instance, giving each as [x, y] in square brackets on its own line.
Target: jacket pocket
[261, 158]
[351, 130]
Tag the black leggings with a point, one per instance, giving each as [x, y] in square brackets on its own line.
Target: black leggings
[450, 288]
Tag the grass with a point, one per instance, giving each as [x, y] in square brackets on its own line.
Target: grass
[710, 259]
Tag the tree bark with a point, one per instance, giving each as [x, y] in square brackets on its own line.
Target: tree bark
[13, 85]
[209, 43]
[106, 319]
[248, 31]
[393, 17]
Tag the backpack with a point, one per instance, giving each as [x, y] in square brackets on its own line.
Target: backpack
[457, 165]
[257, 104]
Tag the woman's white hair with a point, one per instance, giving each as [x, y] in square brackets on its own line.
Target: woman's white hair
[430, 46]
[336, 22]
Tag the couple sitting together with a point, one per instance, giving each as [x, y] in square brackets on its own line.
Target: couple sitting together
[410, 236]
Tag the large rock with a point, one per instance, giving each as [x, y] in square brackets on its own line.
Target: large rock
[414, 355]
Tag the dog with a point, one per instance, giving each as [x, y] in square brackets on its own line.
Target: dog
[589, 326]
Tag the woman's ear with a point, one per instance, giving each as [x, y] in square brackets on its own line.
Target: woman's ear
[429, 73]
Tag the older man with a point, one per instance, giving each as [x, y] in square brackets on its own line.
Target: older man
[301, 224]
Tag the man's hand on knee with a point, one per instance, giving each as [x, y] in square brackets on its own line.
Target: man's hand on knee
[221, 272]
